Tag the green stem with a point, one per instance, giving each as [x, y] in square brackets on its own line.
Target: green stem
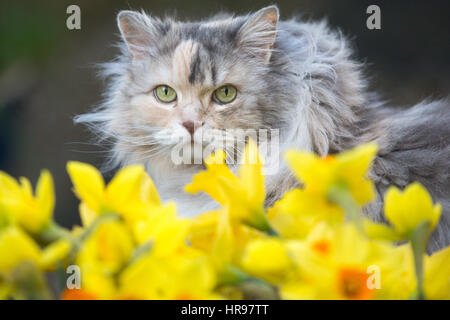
[419, 240]
[260, 222]
[272, 232]
[231, 275]
[54, 232]
[251, 287]
[341, 196]
[93, 226]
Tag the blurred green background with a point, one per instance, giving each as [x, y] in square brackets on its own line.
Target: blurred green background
[48, 73]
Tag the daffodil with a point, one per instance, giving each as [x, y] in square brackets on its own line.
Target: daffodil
[33, 212]
[95, 284]
[342, 264]
[214, 233]
[405, 211]
[130, 187]
[162, 229]
[244, 193]
[203, 230]
[225, 243]
[54, 253]
[22, 263]
[267, 258]
[16, 247]
[413, 217]
[103, 254]
[109, 247]
[437, 275]
[348, 170]
[132, 246]
[296, 214]
[185, 276]
[408, 209]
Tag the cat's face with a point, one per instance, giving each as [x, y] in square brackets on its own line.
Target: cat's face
[183, 81]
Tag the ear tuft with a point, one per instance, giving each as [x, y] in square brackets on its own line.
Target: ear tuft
[136, 30]
[258, 33]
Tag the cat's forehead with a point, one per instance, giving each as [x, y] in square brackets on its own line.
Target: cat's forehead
[200, 48]
[224, 29]
[185, 60]
[191, 65]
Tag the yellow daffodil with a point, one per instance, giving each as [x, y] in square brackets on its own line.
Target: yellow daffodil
[408, 209]
[163, 229]
[132, 246]
[54, 253]
[109, 246]
[215, 234]
[347, 170]
[131, 185]
[95, 284]
[203, 230]
[341, 264]
[268, 259]
[296, 214]
[103, 254]
[33, 212]
[16, 247]
[413, 217]
[244, 193]
[437, 275]
[185, 276]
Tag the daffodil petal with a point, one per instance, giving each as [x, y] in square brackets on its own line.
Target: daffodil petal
[88, 183]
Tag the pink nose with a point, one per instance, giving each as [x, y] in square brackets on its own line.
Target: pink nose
[190, 126]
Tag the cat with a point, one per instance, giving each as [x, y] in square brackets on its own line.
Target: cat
[174, 79]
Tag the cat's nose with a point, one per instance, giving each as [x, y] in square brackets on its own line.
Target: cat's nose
[190, 126]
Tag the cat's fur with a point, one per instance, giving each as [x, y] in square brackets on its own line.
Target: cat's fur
[294, 76]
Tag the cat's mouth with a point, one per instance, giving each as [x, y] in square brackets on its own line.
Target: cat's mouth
[195, 152]
[195, 149]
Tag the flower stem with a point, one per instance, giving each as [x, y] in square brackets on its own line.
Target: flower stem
[252, 288]
[259, 221]
[54, 232]
[341, 196]
[419, 240]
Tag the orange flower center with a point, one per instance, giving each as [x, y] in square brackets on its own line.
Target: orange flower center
[329, 158]
[77, 294]
[185, 296]
[353, 284]
[322, 246]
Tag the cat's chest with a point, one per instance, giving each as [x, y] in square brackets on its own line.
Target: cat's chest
[170, 184]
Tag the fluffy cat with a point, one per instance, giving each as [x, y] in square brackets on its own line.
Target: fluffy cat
[299, 78]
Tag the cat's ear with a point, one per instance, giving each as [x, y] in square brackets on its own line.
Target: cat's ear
[258, 33]
[137, 31]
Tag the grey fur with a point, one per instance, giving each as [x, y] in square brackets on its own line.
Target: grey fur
[306, 84]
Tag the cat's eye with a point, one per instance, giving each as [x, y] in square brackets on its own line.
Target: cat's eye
[165, 94]
[225, 94]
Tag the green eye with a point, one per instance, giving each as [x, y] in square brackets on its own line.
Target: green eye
[165, 94]
[225, 94]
